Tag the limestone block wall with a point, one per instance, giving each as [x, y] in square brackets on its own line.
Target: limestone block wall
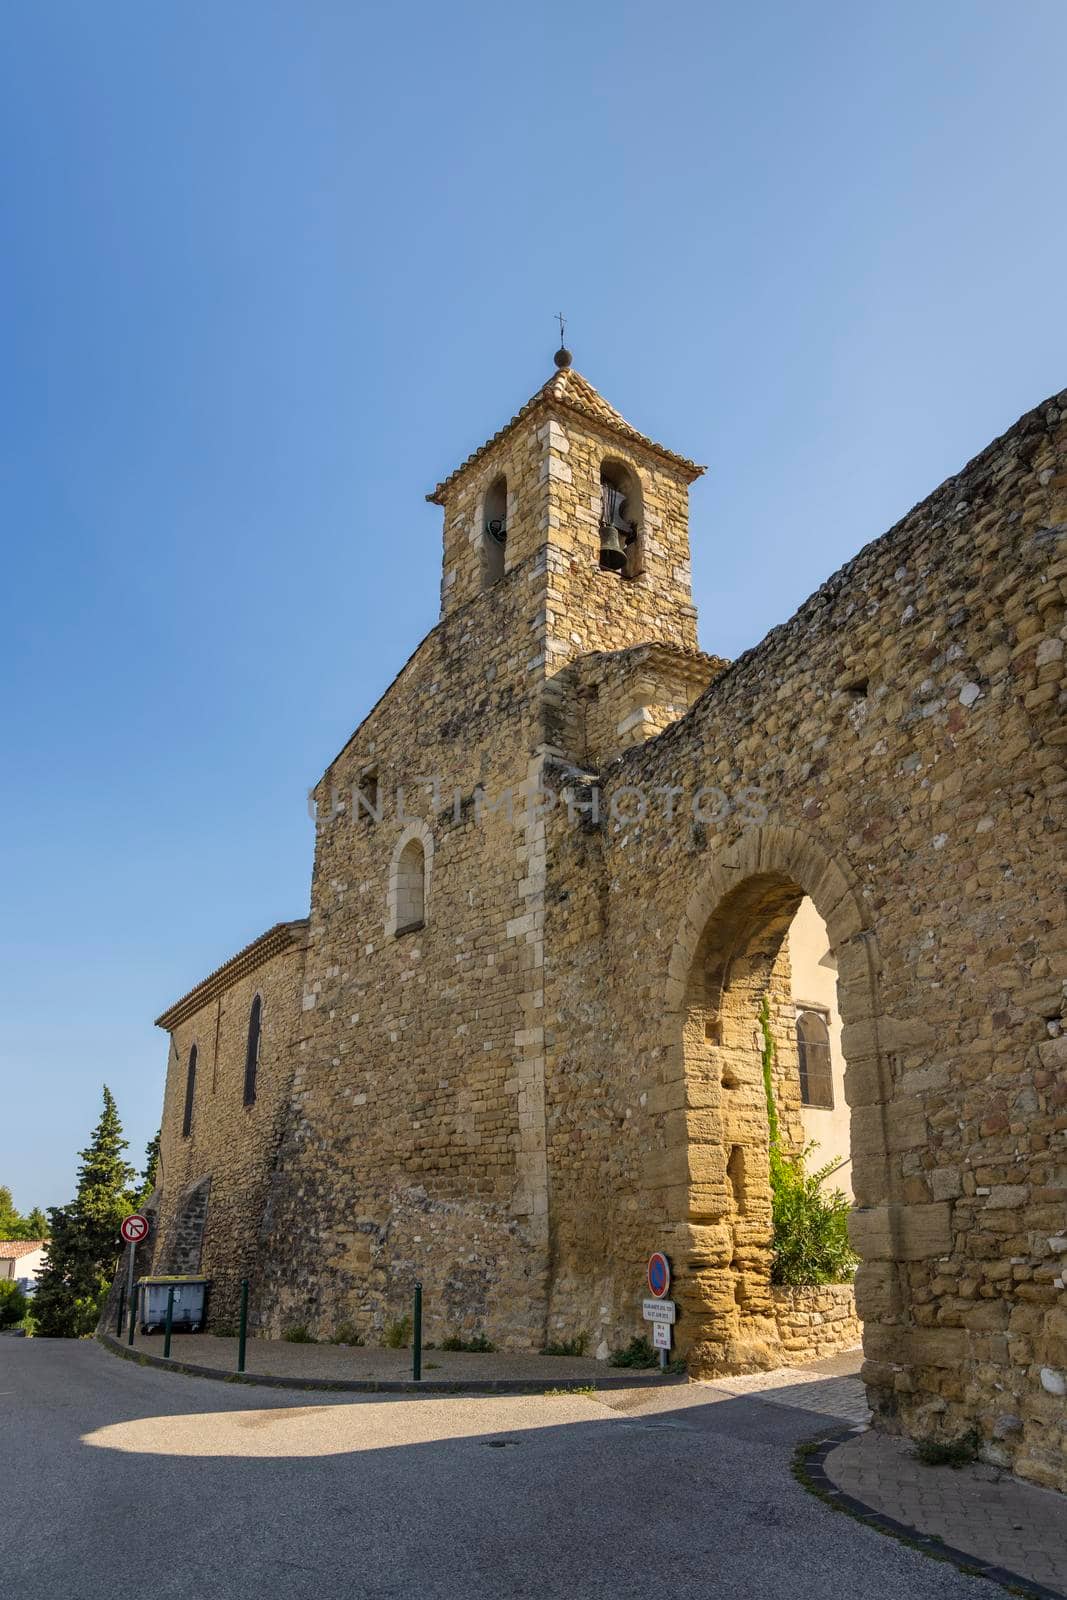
[815, 1322]
[606, 702]
[906, 732]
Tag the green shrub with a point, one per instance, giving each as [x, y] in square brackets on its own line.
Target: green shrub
[569, 1347]
[14, 1305]
[479, 1345]
[638, 1353]
[346, 1333]
[398, 1334]
[810, 1243]
[299, 1335]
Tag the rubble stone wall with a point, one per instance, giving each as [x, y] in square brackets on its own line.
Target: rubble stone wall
[896, 751]
[815, 1322]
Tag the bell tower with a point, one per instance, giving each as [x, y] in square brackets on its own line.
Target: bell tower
[592, 516]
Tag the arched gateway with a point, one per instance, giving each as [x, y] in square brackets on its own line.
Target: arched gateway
[517, 1081]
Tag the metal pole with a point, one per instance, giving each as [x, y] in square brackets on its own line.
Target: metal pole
[242, 1336]
[129, 1283]
[133, 1315]
[416, 1337]
[170, 1320]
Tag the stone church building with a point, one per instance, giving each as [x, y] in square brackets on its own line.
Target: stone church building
[561, 870]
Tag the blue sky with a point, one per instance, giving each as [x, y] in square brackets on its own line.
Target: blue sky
[269, 271]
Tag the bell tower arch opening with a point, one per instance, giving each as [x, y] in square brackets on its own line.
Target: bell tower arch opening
[620, 519]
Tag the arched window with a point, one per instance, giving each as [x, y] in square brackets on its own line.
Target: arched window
[494, 532]
[252, 1051]
[411, 887]
[813, 1051]
[409, 880]
[620, 519]
[190, 1090]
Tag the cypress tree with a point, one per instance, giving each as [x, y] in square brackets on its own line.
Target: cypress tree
[84, 1236]
[150, 1175]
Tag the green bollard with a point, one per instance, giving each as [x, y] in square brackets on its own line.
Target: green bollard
[169, 1322]
[416, 1337]
[133, 1315]
[242, 1336]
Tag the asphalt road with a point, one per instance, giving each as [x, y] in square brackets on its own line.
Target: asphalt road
[121, 1481]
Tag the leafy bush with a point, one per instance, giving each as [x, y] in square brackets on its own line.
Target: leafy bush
[569, 1347]
[810, 1244]
[398, 1334]
[346, 1333]
[638, 1353]
[13, 1304]
[479, 1345]
[810, 1224]
[299, 1335]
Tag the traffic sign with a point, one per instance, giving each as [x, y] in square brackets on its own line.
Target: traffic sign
[661, 1335]
[659, 1311]
[134, 1228]
[659, 1274]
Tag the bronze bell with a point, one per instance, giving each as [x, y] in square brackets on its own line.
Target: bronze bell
[612, 550]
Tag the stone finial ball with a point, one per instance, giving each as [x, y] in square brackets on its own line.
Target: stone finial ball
[562, 357]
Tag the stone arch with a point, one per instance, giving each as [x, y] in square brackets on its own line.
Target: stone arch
[725, 957]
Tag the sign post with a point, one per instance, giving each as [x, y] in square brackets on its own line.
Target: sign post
[659, 1311]
[134, 1228]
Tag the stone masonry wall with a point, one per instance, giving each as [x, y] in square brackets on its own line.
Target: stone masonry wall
[816, 1322]
[906, 732]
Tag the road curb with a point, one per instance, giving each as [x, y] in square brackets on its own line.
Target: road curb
[386, 1385]
[809, 1469]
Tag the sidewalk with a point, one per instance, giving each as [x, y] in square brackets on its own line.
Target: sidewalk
[1006, 1528]
[371, 1364]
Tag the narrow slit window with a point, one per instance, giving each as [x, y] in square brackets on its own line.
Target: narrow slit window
[252, 1050]
[190, 1091]
[369, 797]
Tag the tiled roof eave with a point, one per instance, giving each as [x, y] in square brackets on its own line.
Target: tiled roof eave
[283, 936]
[545, 400]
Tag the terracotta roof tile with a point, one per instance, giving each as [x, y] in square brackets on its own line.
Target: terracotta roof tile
[569, 391]
[14, 1249]
[283, 936]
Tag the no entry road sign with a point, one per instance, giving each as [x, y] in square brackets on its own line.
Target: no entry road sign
[134, 1228]
[659, 1274]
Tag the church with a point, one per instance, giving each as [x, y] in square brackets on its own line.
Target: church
[579, 888]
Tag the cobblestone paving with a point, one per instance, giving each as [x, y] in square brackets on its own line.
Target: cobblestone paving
[979, 1510]
[830, 1387]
